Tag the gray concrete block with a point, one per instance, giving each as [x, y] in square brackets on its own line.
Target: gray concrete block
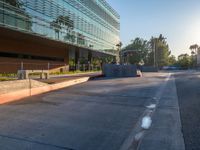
[149, 69]
[113, 70]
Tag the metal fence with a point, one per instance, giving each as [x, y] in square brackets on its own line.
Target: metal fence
[10, 69]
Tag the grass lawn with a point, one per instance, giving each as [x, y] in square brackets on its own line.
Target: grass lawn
[6, 79]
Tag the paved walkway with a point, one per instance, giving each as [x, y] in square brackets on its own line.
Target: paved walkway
[102, 114]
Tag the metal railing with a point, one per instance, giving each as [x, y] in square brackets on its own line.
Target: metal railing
[8, 70]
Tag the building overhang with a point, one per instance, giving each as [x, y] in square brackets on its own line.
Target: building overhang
[15, 34]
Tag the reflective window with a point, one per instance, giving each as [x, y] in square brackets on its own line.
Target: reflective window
[86, 23]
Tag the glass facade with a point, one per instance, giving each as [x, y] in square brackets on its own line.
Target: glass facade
[86, 23]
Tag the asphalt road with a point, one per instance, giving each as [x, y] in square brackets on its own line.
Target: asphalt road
[188, 88]
[103, 114]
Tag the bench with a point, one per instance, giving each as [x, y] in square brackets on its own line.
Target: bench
[24, 74]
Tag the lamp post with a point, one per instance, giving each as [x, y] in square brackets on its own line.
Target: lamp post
[154, 52]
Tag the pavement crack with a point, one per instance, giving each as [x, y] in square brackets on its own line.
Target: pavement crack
[35, 142]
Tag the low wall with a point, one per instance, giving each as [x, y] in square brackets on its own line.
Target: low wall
[17, 85]
[15, 90]
[113, 70]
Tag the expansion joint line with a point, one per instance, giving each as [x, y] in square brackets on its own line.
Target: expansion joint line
[144, 122]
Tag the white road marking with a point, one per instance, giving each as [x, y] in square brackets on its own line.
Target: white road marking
[146, 122]
[151, 106]
[138, 132]
[139, 135]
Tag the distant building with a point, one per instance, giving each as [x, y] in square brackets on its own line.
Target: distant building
[56, 31]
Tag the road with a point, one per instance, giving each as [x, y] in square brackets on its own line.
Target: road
[188, 89]
[103, 114]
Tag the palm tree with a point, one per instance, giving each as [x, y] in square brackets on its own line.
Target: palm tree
[194, 49]
[161, 38]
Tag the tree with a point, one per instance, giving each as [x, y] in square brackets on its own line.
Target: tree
[194, 51]
[137, 51]
[153, 52]
[172, 60]
[161, 51]
[184, 61]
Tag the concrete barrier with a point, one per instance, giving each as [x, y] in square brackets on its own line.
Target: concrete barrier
[113, 70]
[17, 85]
[149, 69]
[26, 90]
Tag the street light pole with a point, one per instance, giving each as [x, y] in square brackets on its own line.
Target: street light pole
[154, 52]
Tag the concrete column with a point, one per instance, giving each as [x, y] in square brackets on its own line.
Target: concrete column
[77, 55]
[66, 60]
[89, 56]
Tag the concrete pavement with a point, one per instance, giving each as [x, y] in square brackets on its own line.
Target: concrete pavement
[103, 114]
[18, 89]
[166, 130]
[188, 86]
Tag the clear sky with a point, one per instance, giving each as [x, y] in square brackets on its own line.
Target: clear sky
[177, 20]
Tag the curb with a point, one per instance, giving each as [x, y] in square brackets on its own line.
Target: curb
[17, 95]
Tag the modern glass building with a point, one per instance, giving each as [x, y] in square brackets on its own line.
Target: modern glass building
[91, 25]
